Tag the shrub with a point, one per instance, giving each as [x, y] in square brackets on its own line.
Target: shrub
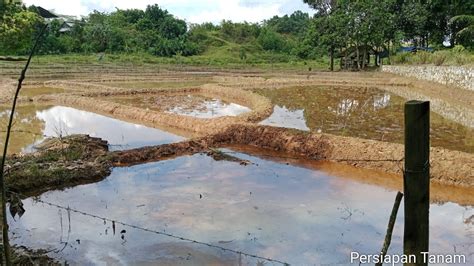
[400, 58]
[422, 57]
[439, 58]
[459, 49]
[461, 58]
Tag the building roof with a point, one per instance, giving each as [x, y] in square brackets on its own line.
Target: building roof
[45, 13]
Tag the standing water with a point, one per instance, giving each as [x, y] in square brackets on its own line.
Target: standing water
[34, 123]
[357, 112]
[293, 214]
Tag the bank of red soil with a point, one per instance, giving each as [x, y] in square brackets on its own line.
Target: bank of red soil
[447, 167]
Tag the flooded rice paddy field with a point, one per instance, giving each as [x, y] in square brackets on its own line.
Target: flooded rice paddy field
[183, 104]
[34, 123]
[357, 112]
[298, 215]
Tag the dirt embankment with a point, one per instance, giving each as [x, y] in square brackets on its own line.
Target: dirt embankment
[261, 107]
[64, 162]
[7, 87]
[447, 167]
[59, 163]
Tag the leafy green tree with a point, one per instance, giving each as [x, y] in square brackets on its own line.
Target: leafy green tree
[295, 24]
[322, 7]
[271, 41]
[463, 30]
[17, 29]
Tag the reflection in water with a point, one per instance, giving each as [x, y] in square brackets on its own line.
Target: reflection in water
[364, 113]
[33, 123]
[282, 117]
[345, 107]
[294, 214]
[26, 127]
[381, 101]
[211, 108]
[183, 104]
[61, 121]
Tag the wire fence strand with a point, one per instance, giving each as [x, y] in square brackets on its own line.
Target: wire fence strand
[181, 238]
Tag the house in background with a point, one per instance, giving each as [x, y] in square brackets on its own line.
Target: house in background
[66, 27]
[46, 14]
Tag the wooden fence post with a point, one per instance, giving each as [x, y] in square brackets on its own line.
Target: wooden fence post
[416, 180]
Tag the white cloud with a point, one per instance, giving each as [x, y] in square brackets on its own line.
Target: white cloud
[190, 10]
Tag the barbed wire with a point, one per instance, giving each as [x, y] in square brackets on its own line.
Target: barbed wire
[114, 221]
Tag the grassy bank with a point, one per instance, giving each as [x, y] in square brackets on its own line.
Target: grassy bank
[261, 61]
[457, 56]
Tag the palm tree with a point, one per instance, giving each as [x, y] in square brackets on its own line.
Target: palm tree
[463, 29]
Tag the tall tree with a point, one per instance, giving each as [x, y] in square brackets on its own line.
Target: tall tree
[322, 7]
[463, 30]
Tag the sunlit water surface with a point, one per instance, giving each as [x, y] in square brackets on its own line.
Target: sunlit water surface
[34, 123]
[290, 213]
[357, 112]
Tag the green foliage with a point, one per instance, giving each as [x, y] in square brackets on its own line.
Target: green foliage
[297, 23]
[463, 30]
[401, 58]
[337, 27]
[439, 58]
[422, 57]
[271, 41]
[454, 56]
[17, 28]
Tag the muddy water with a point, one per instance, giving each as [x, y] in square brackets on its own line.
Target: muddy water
[34, 123]
[356, 112]
[184, 104]
[294, 214]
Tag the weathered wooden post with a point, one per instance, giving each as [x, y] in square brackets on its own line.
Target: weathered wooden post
[416, 180]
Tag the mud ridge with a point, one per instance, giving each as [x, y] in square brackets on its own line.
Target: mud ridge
[447, 167]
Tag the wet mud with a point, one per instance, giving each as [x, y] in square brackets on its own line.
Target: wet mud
[58, 163]
[447, 167]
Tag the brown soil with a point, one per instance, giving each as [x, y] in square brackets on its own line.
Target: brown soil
[439, 193]
[448, 167]
[58, 163]
[164, 103]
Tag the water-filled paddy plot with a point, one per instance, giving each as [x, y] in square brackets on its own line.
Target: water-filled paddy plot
[278, 206]
[298, 215]
[35, 123]
[357, 112]
[193, 105]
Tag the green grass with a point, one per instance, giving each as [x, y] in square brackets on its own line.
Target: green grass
[446, 57]
[225, 56]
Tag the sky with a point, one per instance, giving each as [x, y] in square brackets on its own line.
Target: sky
[193, 11]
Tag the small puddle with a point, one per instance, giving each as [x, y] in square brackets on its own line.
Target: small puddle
[294, 214]
[184, 104]
[357, 112]
[34, 123]
[281, 116]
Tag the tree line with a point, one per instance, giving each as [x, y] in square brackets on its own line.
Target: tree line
[337, 27]
[378, 24]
